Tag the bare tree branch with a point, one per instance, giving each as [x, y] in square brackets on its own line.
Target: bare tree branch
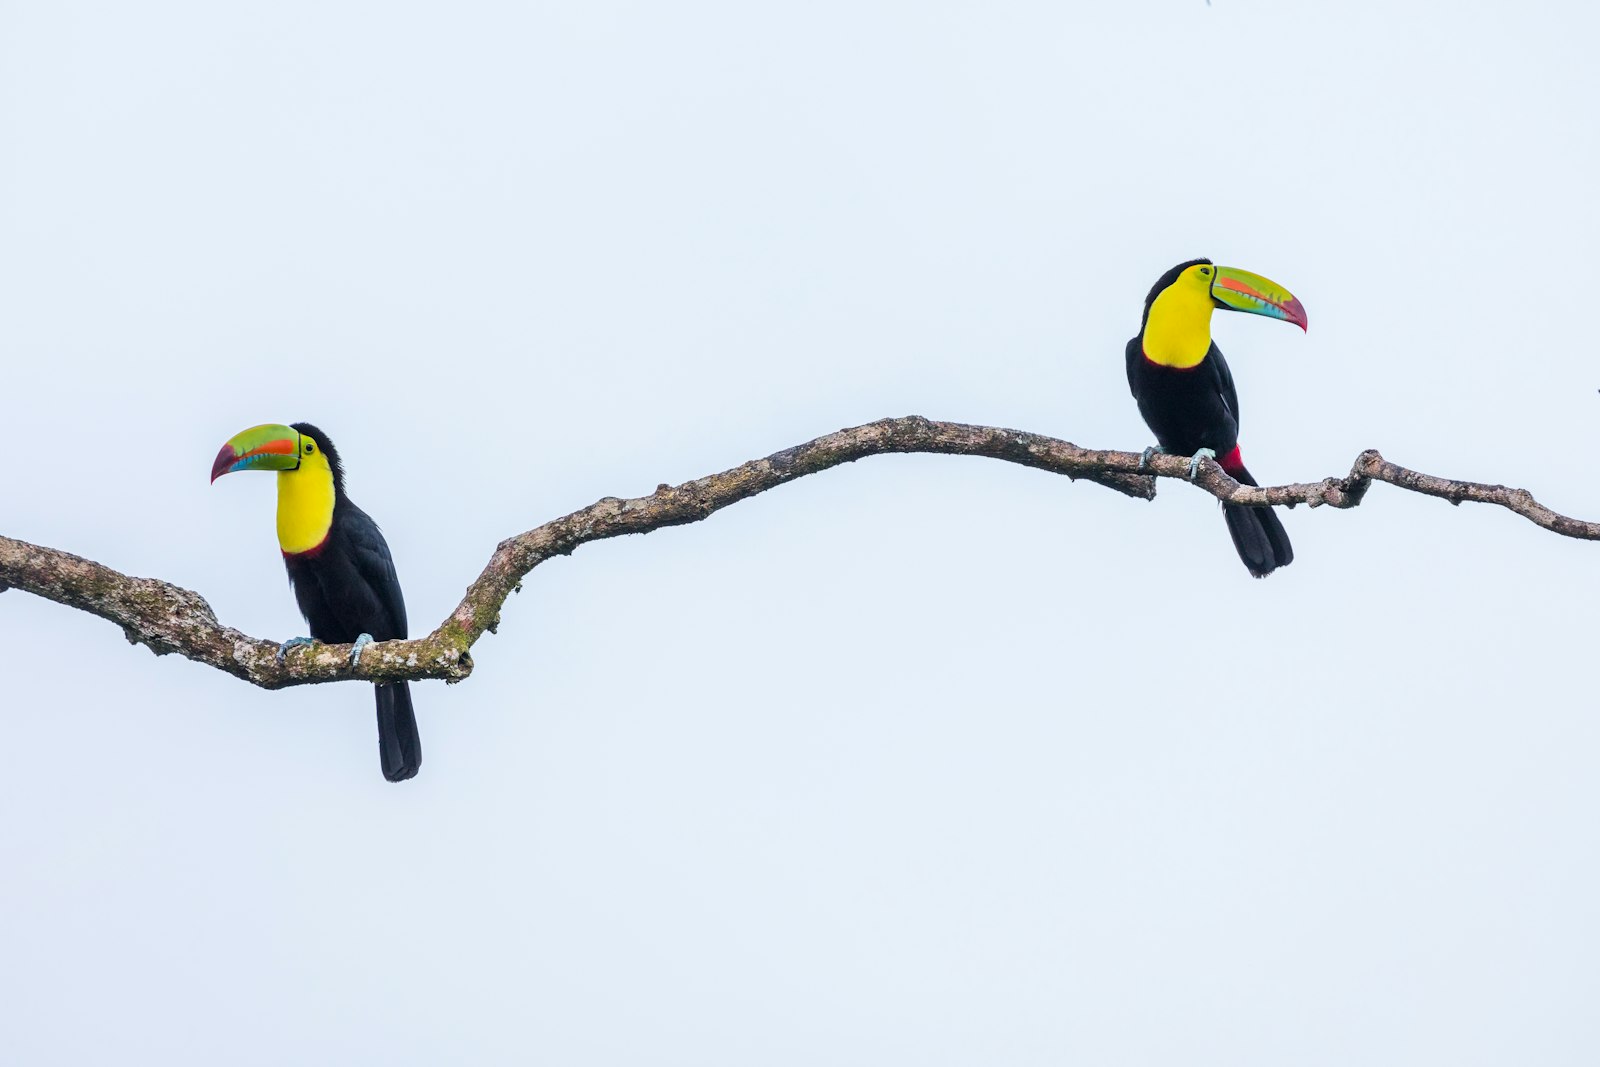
[168, 618]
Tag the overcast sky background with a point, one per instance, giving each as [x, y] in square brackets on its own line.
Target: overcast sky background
[924, 760]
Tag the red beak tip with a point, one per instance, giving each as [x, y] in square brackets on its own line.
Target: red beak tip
[224, 460]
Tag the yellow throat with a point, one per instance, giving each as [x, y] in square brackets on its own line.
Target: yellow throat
[305, 503]
[1178, 330]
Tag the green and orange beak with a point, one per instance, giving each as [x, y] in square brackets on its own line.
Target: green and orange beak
[261, 448]
[1239, 290]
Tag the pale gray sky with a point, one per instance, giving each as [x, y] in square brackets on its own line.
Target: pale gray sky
[924, 760]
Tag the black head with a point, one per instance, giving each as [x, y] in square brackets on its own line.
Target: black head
[1165, 280]
[305, 429]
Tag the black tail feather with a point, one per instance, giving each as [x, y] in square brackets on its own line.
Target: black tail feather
[399, 745]
[1260, 538]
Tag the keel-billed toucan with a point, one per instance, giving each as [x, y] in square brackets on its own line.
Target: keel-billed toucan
[338, 562]
[1185, 390]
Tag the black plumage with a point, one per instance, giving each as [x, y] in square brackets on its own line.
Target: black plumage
[347, 587]
[1198, 407]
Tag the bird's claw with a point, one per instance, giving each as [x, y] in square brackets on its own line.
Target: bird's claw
[355, 650]
[1144, 457]
[283, 649]
[1199, 457]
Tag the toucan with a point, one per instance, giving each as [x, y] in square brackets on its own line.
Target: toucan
[1185, 390]
[339, 565]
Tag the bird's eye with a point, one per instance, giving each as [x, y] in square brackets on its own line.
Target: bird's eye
[1206, 271]
[310, 448]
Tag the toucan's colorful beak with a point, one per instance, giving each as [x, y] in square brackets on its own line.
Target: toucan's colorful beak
[261, 448]
[1239, 290]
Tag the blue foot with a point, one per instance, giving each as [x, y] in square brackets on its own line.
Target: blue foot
[355, 650]
[283, 649]
[1199, 457]
[1144, 457]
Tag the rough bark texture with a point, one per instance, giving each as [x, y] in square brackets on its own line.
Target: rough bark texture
[167, 618]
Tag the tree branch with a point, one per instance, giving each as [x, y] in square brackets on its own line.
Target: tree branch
[168, 618]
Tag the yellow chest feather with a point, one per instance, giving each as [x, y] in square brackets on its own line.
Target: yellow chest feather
[1178, 331]
[305, 506]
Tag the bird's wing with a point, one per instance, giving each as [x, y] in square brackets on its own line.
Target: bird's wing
[1135, 354]
[376, 566]
[1230, 395]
